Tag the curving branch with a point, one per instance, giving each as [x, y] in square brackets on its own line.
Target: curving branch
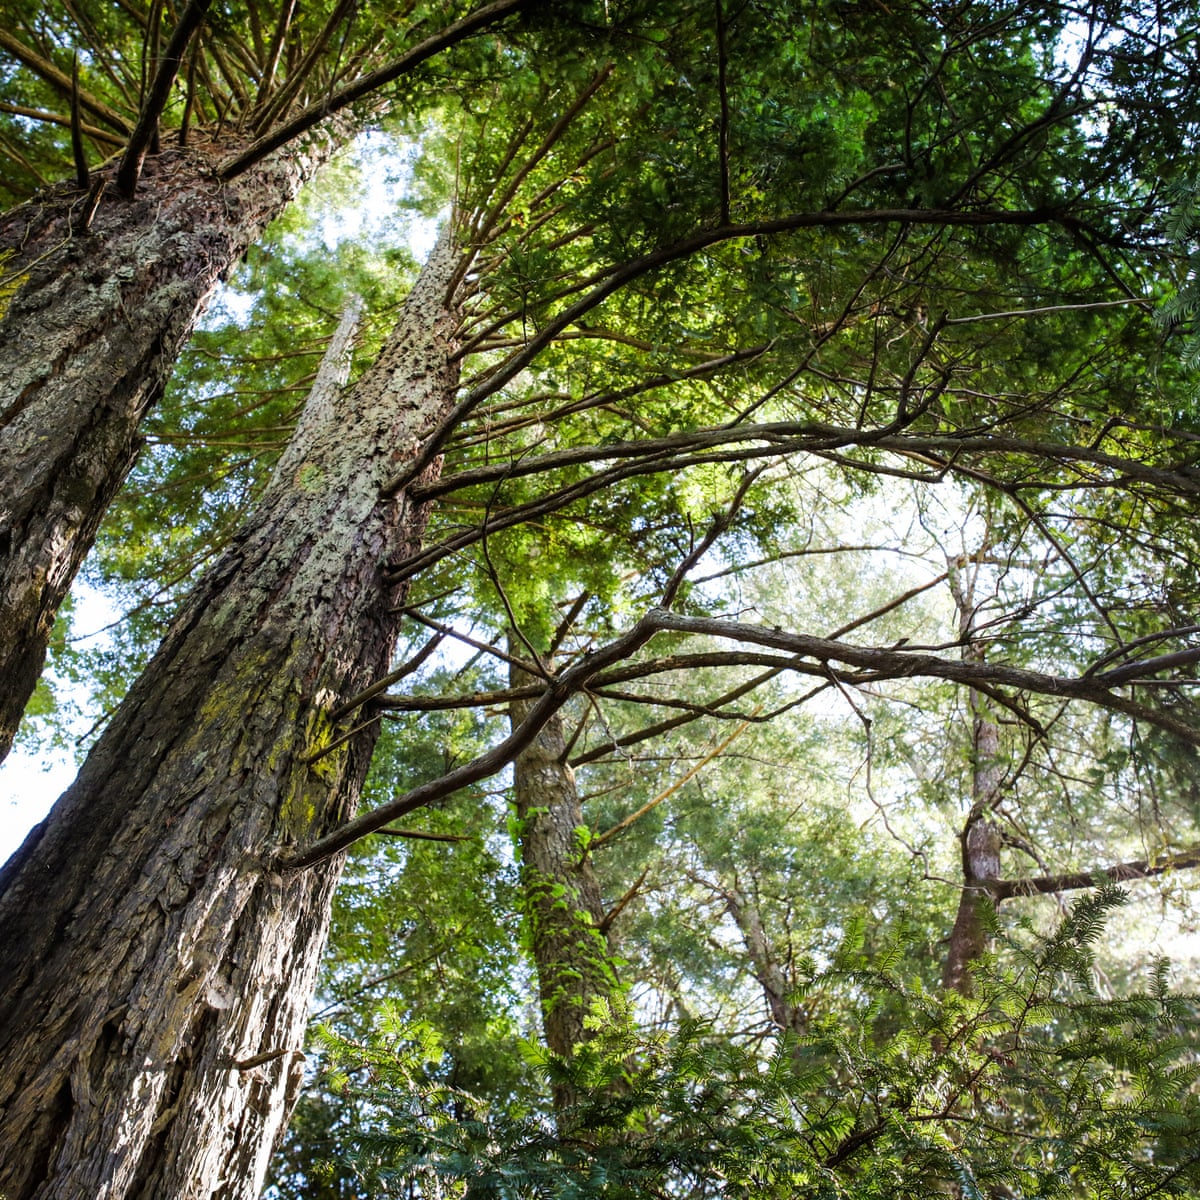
[790, 436]
[607, 283]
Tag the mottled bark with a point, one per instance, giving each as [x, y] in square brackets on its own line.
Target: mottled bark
[93, 317]
[976, 906]
[564, 907]
[155, 969]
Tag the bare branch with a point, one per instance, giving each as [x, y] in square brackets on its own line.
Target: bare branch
[1041, 885]
[60, 80]
[343, 98]
[156, 98]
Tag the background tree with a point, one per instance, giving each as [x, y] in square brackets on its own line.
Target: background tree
[639, 307]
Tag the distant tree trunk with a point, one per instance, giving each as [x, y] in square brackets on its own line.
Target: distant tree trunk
[564, 907]
[93, 317]
[980, 839]
[786, 1015]
[154, 968]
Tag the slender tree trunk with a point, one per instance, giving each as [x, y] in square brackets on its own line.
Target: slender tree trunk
[94, 313]
[980, 838]
[564, 907]
[155, 969]
[785, 1014]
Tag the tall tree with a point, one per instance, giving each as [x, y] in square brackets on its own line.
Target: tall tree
[560, 893]
[168, 1062]
[743, 309]
[105, 275]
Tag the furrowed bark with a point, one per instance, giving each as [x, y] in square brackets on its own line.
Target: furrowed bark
[155, 969]
[565, 910]
[87, 341]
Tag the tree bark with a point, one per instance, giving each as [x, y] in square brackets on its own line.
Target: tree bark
[564, 907]
[92, 317]
[155, 968]
[980, 839]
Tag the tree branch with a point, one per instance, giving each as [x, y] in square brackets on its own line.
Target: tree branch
[1041, 885]
[617, 277]
[60, 80]
[316, 113]
[146, 128]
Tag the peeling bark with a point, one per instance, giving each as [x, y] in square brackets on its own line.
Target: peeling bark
[95, 311]
[155, 970]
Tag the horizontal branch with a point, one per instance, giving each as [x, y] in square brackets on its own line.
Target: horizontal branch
[791, 436]
[1041, 885]
[873, 664]
[63, 119]
[882, 663]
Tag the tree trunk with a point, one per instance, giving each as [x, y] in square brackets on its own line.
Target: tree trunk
[777, 989]
[93, 316]
[564, 907]
[980, 839]
[155, 969]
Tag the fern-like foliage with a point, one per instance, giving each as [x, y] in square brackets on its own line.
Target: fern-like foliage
[1034, 1087]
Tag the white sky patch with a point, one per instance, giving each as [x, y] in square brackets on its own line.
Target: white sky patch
[31, 780]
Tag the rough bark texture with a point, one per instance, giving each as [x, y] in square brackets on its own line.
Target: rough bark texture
[93, 316]
[155, 969]
[564, 906]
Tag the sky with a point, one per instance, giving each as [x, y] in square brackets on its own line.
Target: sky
[32, 779]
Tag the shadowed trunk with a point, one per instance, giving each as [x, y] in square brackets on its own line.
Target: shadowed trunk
[155, 969]
[94, 312]
[562, 897]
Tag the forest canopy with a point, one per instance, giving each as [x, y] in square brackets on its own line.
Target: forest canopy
[683, 514]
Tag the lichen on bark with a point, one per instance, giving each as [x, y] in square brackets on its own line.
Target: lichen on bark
[155, 967]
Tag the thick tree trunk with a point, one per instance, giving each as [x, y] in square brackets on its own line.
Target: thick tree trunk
[564, 907]
[87, 340]
[154, 968]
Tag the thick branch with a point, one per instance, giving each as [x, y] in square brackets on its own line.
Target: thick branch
[1041, 885]
[791, 436]
[905, 664]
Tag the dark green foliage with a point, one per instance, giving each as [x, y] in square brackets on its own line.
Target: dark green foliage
[1034, 1088]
